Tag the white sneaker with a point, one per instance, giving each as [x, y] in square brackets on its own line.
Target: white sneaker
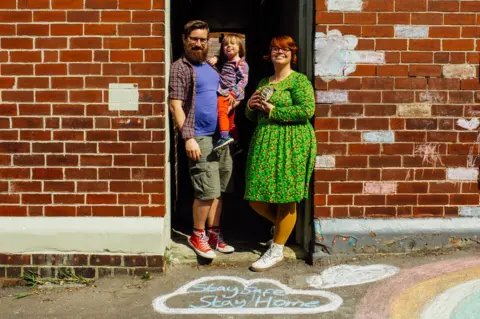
[272, 257]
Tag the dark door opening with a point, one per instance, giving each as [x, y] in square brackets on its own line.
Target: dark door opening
[259, 21]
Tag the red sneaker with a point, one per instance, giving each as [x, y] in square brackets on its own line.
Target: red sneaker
[215, 239]
[199, 242]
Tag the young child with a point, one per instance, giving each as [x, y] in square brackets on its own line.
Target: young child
[233, 79]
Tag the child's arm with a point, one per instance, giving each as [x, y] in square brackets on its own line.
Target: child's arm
[242, 80]
[213, 60]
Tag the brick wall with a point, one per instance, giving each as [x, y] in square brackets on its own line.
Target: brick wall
[62, 152]
[396, 119]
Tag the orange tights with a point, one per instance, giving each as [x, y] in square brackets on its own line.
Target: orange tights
[284, 218]
[225, 121]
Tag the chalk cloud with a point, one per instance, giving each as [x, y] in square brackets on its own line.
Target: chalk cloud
[351, 275]
[336, 58]
[191, 289]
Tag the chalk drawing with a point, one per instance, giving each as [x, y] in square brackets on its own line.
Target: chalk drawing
[318, 231]
[408, 31]
[234, 295]
[325, 161]
[380, 188]
[461, 71]
[352, 240]
[469, 125]
[378, 137]
[335, 57]
[443, 306]
[351, 275]
[429, 153]
[468, 211]
[416, 291]
[432, 97]
[414, 110]
[344, 5]
[462, 174]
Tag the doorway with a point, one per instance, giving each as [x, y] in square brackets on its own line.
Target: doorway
[258, 21]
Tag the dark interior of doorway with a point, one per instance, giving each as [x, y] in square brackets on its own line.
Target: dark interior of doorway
[259, 20]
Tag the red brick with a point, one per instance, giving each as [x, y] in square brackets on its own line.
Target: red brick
[427, 18]
[428, 212]
[81, 147]
[33, 4]
[392, 70]
[460, 199]
[470, 32]
[459, 19]
[377, 31]
[101, 4]
[28, 160]
[24, 187]
[116, 16]
[36, 199]
[444, 32]
[148, 16]
[425, 70]
[81, 173]
[444, 84]
[360, 18]
[49, 16]
[417, 57]
[67, 4]
[461, 97]
[17, 43]
[391, 44]
[116, 69]
[95, 160]
[430, 174]
[15, 16]
[17, 69]
[157, 56]
[424, 45]
[107, 211]
[378, 6]
[133, 199]
[83, 16]
[443, 6]
[411, 83]
[60, 211]
[346, 110]
[365, 70]
[51, 43]
[135, 4]
[125, 187]
[62, 160]
[51, 96]
[364, 97]
[126, 56]
[156, 211]
[459, 45]
[68, 199]
[373, 124]
[377, 83]
[409, 187]
[328, 18]
[92, 187]
[102, 199]
[393, 18]
[63, 187]
[86, 96]
[100, 29]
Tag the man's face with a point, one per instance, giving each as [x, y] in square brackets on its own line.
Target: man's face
[196, 46]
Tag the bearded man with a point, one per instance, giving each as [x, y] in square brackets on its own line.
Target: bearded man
[193, 103]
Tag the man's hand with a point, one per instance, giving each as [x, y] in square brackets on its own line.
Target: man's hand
[233, 107]
[193, 150]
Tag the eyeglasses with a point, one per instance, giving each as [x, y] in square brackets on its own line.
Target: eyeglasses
[195, 40]
[277, 49]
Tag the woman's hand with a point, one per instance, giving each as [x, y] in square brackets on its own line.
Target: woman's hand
[233, 107]
[255, 101]
[267, 107]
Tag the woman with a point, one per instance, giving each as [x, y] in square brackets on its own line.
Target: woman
[282, 151]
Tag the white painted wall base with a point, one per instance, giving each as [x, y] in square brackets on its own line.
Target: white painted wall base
[95, 235]
[396, 227]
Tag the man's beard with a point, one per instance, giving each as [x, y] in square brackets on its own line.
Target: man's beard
[195, 54]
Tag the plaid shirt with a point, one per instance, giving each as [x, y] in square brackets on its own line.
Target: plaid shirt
[183, 86]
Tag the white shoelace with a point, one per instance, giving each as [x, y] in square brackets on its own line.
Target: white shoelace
[204, 242]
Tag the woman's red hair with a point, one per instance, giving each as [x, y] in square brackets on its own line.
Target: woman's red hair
[284, 42]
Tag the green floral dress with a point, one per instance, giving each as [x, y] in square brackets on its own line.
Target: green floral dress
[282, 151]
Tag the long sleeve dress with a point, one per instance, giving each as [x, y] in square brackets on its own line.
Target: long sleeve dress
[282, 150]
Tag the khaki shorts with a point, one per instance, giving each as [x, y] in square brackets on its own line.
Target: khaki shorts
[212, 174]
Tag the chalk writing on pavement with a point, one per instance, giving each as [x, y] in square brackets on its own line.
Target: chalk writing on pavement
[233, 295]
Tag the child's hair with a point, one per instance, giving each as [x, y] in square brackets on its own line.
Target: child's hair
[231, 38]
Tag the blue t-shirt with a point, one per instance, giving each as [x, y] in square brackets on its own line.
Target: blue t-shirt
[206, 114]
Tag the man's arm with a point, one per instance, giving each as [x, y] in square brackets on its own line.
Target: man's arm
[177, 112]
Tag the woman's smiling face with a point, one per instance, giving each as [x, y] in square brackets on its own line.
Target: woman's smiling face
[281, 55]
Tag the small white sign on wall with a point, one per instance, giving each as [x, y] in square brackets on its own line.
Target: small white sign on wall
[123, 97]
